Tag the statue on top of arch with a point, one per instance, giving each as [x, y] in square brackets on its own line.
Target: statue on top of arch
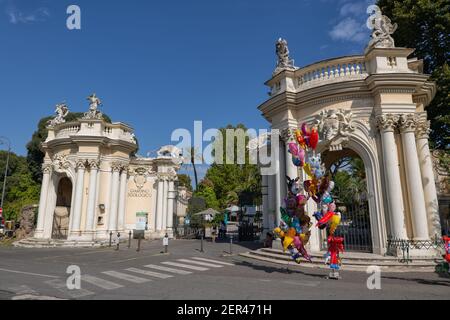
[94, 113]
[382, 29]
[62, 110]
[284, 61]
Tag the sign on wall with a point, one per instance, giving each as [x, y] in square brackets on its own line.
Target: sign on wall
[141, 220]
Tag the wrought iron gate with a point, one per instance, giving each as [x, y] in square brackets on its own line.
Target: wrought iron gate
[355, 227]
[60, 226]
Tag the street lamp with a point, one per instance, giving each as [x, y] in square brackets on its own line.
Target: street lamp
[2, 141]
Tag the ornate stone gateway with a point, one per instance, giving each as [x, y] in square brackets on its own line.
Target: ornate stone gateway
[94, 185]
[373, 104]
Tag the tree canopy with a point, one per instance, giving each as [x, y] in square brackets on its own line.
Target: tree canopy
[424, 25]
[232, 184]
[21, 190]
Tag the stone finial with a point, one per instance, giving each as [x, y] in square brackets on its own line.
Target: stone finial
[382, 29]
[62, 110]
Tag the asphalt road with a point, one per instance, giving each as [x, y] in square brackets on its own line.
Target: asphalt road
[186, 273]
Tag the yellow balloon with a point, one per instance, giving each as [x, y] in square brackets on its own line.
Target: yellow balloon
[307, 169]
[287, 242]
[335, 222]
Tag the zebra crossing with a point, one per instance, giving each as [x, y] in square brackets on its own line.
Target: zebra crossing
[113, 279]
[109, 280]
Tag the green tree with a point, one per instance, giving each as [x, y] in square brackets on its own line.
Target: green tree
[185, 181]
[424, 25]
[35, 157]
[206, 191]
[233, 182]
[21, 190]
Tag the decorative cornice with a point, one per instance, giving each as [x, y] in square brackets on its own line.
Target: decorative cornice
[116, 166]
[387, 122]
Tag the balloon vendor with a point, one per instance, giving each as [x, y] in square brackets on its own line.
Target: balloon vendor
[295, 225]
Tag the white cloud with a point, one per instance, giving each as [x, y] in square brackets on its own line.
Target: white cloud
[353, 8]
[16, 16]
[349, 29]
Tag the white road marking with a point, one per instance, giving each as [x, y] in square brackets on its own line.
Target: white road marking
[161, 268]
[201, 263]
[23, 290]
[127, 277]
[104, 284]
[181, 265]
[34, 297]
[61, 286]
[213, 261]
[150, 273]
[30, 273]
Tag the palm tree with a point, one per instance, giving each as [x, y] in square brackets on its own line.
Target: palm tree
[193, 155]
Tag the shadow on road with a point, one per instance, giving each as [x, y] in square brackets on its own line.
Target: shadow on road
[421, 281]
[285, 270]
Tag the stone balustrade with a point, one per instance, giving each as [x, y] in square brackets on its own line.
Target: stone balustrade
[330, 71]
[115, 131]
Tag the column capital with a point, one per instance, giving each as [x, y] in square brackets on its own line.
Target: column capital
[407, 122]
[94, 164]
[287, 135]
[81, 164]
[47, 168]
[116, 166]
[423, 129]
[387, 122]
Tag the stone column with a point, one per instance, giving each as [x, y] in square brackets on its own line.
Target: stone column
[170, 206]
[387, 124]
[413, 177]
[122, 198]
[265, 207]
[428, 181]
[159, 206]
[165, 204]
[271, 202]
[47, 170]
[90, 220]
[79, 195]
[291, 169]
[116, 167]
[278, 188]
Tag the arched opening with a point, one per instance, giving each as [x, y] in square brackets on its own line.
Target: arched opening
[351, 196]
[61, 215]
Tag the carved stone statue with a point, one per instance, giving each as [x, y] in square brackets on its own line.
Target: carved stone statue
[94, 113]
[62, 110]
[382, 30]
[335, 127]
[282, 51]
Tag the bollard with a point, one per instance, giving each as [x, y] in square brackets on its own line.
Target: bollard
[166, 243]
[110, 239]
[118, 241]
[201, 244]
[231, 244]
[129, 240]
[139, 244]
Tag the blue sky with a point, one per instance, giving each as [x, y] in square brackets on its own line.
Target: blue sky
[161, 65]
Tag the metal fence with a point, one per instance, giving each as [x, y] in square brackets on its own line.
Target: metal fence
[407, 245]
[355, 227]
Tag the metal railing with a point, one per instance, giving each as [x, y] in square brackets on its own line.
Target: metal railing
[406, 246]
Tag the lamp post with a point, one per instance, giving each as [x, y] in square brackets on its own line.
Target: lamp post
[2, 141]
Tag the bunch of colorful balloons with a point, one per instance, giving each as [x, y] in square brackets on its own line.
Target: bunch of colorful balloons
[294, 229]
